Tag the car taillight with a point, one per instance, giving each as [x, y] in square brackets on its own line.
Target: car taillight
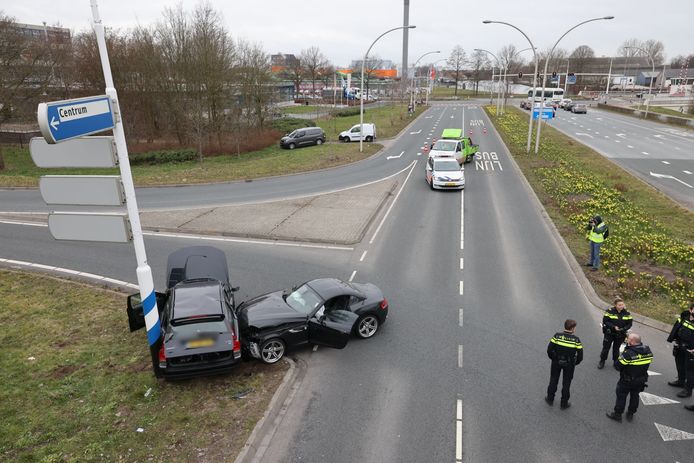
[384, 304]
[162, 356]
[237, 344]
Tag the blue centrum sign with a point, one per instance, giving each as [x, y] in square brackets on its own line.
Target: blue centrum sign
[67, 119]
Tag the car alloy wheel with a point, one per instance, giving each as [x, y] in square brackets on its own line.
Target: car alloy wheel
[367, 326]
[292, 146]
[272, 351]
[319, 142]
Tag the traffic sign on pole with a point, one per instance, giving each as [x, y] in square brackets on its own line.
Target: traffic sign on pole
[97, 151]
[90, 226]
[63, 120]
[82, 190]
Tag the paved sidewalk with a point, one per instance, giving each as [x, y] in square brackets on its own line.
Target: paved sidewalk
[337, 218]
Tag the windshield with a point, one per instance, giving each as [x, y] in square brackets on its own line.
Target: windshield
[304, 300]
[293, 134]
[444, 145]
[446, 166]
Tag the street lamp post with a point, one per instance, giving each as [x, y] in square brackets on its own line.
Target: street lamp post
[361, 89]
[506, 65]
[414, 71]
[650, 81]
[498, 90]
[544, 76]
[530, 122]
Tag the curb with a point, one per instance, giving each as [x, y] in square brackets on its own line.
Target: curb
[257, 443]
[581, 278]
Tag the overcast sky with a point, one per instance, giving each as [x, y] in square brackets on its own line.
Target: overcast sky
[333, 26]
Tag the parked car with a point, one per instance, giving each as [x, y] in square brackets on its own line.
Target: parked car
[353, 133]
[444, 173]
[303, 137]
[199, 329]
[579, 108]
[324, 312]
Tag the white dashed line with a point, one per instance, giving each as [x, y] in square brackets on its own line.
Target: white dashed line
[461, 287]
[351, 277]
[460, 318]
[461, 263]
[462, 218]
[687, 172]
[629, 146]
[361, 259]
[665, 162]
[459, 431]
[460, 356]
[644, 152]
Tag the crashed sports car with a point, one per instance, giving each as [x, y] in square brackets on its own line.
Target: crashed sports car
[324, 312]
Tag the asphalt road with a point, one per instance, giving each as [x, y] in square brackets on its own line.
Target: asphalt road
[661, 155]
[477, 286]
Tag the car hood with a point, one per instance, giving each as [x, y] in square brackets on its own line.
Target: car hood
[267, 310]
[453, 175]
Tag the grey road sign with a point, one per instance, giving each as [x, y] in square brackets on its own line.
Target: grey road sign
[90, 226]
[82, 190]
[82, 152]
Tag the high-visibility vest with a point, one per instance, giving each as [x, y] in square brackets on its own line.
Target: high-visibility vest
[596, 235]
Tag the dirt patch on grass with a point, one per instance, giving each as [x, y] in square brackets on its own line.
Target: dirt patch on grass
[653, 269]
[64, 370]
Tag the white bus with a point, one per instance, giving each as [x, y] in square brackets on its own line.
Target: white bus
[551, 93]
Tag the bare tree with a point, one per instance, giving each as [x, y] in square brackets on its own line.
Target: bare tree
[579, 59]
[456, 62]
[313, 62]
[255, 75]
[371, 66]
[296, 73]
[656, 50]
[627, 50]
[478, 62]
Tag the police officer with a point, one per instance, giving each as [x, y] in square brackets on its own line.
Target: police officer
[615, 323]
[633, 375]
[682, 334]
[566, 351]
[597, 233]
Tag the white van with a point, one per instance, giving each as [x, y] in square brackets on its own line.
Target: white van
[353, 133]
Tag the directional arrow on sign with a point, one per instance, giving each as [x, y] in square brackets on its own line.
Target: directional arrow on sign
[54, 123]
[652, 399]
[670, 434]
[653, 174]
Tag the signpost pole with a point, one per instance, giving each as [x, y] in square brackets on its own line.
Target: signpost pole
[144, 272]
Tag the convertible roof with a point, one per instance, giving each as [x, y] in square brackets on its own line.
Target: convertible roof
[330, 287]
[196, 262]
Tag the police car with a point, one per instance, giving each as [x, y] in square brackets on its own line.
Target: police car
[444, 173]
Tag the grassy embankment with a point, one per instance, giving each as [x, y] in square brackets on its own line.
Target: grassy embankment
[78, 386]
[21, 171]
[666, 111]
[648, 258]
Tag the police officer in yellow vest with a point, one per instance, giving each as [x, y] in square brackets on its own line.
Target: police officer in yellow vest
[597, 232]
[683, 336]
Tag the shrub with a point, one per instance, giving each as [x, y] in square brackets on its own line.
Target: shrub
[288, 124]
[347, 112]
[163, 157]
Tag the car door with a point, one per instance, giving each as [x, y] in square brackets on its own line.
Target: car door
[354, 133]
[332, 328]
[135, 311]
[300, 138]
[429, 170]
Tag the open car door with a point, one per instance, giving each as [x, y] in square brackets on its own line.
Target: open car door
[136, 316]
[331, 329]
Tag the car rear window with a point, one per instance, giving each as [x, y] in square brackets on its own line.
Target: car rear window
[198, 300]
[445, 165]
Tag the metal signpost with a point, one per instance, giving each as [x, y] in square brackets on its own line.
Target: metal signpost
[64, 126]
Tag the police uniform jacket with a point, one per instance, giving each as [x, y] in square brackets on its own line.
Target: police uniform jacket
[613, 318]
[633, 365]
[683, 331]
[565, 349]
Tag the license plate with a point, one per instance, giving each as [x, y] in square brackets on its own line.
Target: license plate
[199, 343]
[450, 184]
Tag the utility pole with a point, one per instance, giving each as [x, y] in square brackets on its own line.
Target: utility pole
[405, 37]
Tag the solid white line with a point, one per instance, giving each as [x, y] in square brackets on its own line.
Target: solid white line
[460, 317]
[460, 356]
[351, 277]
[462, 218]
[461, 287]
[361, 259]
[67, 271]
[378, 229]
[461, 263]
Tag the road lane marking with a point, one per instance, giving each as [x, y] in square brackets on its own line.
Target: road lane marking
[460, 356]
[650, 373]
[671, 434]
[378, 229]
[653, 174]
[461, 287]
[395, 157]
[459, 431]
[361, 259]
[461, 263]
[315, 348]
[351, 277]
[629, 146]
[460, 318]
[665, 162]
[687, 172]
[644, 152]
[462, 219]
[67, 271]
[652, 399]
[415, 133]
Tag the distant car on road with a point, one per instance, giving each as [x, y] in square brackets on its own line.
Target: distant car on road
[579, 108]
[324, 312]
[444, 173]
[303, 137]
[199, 328]
[569, 105]
[564, 102]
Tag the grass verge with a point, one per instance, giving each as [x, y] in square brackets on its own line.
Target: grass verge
[648, 258]
[666, 111]
[77, 385]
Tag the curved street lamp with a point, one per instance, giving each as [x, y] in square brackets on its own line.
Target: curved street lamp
[506, 65]
[544, 76]
[498, 65]
[361, 89]
[414, 71]
[530, 122]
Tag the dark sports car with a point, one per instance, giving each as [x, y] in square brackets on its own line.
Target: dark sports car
[200, 332]
[323, 311]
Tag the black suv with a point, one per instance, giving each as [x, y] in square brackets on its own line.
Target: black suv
[199, 327]
[303, 137]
